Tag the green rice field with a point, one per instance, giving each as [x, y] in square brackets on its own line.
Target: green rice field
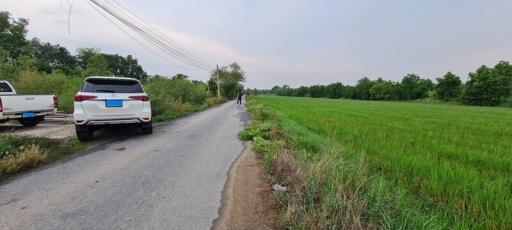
[430, 166]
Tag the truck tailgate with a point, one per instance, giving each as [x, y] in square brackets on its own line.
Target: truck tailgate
[27, 103]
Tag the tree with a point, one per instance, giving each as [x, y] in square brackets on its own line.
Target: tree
[449, 87]
[384, 90]
[302, 91]
[489, 86]
[50, 57]
[97, 66]
[317, 91]
[179, 77]
[362, 89]
[125, 66]
[115, 64]
[334, 90]
[413, 87]
[12, 35]
[230, 78]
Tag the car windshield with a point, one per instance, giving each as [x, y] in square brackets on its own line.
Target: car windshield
[111, 86]
[4, 87]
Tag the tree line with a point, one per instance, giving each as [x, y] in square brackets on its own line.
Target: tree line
[487, 86]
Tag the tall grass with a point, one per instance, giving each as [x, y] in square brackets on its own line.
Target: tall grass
[18, 153]
[64, 87]
[420, 165]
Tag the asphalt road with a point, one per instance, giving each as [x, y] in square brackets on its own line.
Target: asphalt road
[172, 179]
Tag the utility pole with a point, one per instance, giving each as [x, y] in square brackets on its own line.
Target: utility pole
[218, 82]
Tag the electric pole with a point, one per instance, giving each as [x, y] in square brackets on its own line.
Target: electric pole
[218, 82]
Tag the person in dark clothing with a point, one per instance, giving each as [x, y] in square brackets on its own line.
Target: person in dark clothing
[239, 101]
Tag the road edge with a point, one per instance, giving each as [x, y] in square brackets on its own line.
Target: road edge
[227, 209]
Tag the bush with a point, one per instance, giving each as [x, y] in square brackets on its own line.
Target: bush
[64, 87]
[173, 97]
[258, 130]
[212, 101]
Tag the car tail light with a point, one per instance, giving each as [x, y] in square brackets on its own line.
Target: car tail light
[140, 98]
[55, 101]
[1, 106]
[79, 97]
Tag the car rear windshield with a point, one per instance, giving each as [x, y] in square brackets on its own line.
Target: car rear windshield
[4, 87]
[111, 86]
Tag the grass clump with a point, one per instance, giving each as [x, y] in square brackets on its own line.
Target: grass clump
[25, 157]
[21, 153]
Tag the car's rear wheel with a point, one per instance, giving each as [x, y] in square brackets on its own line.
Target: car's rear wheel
[84, 133]
[147, 128]
[30, 122]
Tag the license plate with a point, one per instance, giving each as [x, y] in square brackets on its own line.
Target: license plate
[114, 103]
[28, 114]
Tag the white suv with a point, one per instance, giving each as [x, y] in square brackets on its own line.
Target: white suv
[106, 101]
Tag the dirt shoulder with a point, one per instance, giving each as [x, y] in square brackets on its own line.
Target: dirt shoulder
[247, 199]
[53, 128]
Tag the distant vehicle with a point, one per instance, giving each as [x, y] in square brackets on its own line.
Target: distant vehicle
[105, 101]
[29, 110]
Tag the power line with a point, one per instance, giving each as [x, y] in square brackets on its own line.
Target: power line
[155, 41]
[157, 38]
[131, 36]
[158, 32]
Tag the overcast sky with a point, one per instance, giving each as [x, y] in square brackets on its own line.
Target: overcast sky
[295, 42]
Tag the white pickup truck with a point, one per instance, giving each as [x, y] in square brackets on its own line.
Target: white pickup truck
[29, 110]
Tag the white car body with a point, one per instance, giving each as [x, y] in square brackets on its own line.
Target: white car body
[24, 107]
[111, 101]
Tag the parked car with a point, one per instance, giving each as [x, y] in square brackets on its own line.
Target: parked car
[107, 101]
[29, 110]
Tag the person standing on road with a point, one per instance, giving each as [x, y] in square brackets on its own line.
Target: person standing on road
[239, 101]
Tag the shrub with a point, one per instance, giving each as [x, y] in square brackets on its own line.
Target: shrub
[64, 87]
[212, 101]
[173, 97]
[262, 130]
[25, 157]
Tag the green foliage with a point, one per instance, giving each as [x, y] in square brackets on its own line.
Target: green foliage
[384, 90]
[449, 87]
[425, 167]
[64, 87]
[362, 88]
[97, 65]
[12, 35]
[268, 149]
[317, 91]
[256, 130]
[52, 57]
[413, 87]
[126, 67]
[175, 96]
[489, 86]
[230, 78]
[334, 90]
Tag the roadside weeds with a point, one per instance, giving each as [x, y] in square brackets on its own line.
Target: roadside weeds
[325, 187]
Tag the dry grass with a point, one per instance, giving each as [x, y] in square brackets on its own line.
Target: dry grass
[27, 157]
[179, 106]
